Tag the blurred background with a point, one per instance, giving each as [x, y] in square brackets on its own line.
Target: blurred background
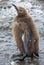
[7, 44]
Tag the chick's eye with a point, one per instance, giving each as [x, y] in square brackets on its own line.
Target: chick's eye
[21, 10]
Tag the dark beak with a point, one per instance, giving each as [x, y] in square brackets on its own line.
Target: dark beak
[15, 7]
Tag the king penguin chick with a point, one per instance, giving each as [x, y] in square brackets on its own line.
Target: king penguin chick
[24, 23]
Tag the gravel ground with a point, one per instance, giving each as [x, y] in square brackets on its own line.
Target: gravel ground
[7, 44]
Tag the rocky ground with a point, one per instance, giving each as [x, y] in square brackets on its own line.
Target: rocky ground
[7, 43]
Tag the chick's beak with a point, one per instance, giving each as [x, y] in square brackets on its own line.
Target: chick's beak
[15, 7]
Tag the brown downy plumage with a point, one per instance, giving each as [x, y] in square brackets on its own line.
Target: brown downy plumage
[23, 23]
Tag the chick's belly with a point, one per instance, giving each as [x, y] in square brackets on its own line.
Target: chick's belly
[26, 41]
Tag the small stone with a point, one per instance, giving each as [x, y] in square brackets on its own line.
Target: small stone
[12, 63]
[4, 7]
[9, 6]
